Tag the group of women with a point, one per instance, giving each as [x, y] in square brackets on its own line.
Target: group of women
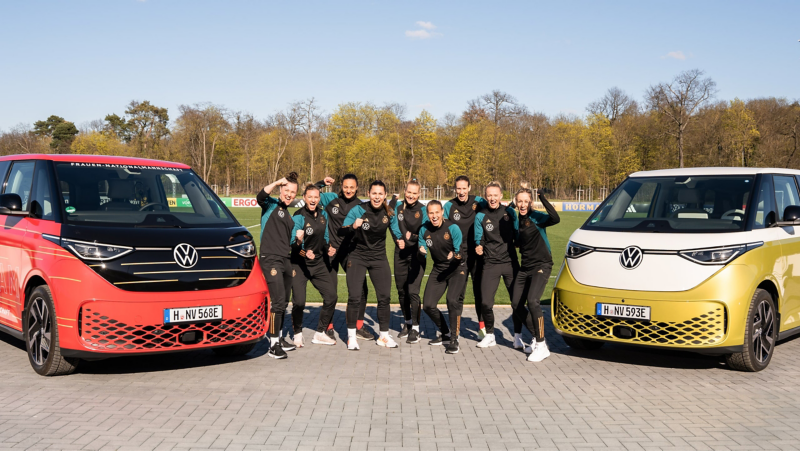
[468, 236]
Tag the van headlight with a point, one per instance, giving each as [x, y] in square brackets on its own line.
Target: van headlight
[718, 255]
[575, 250]
[95, 251]
[246, 250]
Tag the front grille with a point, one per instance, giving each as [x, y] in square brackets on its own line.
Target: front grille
[702, 330]
[102, 333]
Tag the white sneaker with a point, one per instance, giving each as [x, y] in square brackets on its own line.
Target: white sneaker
[352, 344]
[518, 343]
[386, 341]
[540, 352]
[481, 333]
[487, 341]
[321, 338]
[298, 340]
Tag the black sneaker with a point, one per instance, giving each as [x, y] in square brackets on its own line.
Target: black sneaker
[364, 334]
[277, 352]
[286, 345]
[331, 333]
[413, 336]
[440, 340]
[404, 331]
[452, 348]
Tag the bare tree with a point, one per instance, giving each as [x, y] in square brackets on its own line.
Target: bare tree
[680, 99]
[201, 126]
[247, 129]
[286, 125]
[613, 104]
[309, 121]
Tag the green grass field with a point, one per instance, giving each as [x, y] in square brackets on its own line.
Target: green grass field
[558, 236]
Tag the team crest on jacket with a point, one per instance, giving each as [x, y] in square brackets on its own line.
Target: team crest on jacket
[294, 273]
[457, 215]
[386, 219]
[474, 206]
[505, 217]
[446, 236]
[526, 223]
[416, 215]
[274, 272]
[281, 213]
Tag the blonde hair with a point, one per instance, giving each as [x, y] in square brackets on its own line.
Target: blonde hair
[494, 184]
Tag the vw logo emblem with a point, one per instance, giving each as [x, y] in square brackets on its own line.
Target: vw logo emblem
[365, 226]
[489, 227]
[457, 216]
[631, 257]
[309, 231]
[335, 210]
[400, 216]
[185, 255]
[429, 242]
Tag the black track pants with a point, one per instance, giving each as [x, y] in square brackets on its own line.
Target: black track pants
[319, 276]
[408, 274]
[381, 276]
[450, 278]
[277, 271]
[490, 280]
[530, 285]
[340, 260]
[474, 270]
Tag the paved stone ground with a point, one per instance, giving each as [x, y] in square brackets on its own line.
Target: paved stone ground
[415, 397]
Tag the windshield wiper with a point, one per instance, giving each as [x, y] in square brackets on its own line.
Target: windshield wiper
[158, 226]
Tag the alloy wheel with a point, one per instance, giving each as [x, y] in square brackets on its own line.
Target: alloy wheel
[763, 331]
[39, 331]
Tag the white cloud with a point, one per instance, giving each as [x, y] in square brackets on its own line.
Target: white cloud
[425, 31]
[678, 55]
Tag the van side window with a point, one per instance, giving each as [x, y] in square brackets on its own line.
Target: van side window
[20, 181]
[785, 193]
[43, 193]
[765, 204]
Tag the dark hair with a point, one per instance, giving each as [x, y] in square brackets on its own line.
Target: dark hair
[389, 211]
[434, 202]
[350, 176]
[463, 178]
[292, 177]
[310, 187]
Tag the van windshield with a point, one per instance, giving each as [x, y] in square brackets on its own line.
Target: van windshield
[141, 196]
[676, 204]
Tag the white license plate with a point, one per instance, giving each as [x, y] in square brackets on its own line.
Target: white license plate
[623, 311]
[192, 314]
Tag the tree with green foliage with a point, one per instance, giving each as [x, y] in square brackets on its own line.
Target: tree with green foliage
[47, 126]
[63, 135]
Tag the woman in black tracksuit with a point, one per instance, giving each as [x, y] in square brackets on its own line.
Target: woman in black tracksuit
[494, 238]
[367, 227]
[442, 240]
[537, 264]
[409, 215]
[310, 263]
[274, 255]
[337, 206]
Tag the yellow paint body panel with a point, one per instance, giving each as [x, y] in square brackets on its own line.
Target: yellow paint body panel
[712, 314]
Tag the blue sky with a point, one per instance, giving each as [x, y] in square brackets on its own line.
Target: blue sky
[85, 59]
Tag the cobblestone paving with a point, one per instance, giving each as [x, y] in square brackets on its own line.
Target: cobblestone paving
[415, 397]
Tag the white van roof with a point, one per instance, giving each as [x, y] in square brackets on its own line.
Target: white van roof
[713, 171]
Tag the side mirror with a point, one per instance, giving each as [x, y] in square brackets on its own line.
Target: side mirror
[791, 217]
[10, 204]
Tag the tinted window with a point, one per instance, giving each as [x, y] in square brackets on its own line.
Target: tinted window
[785, 193]
[42, 193]
[20, 181]
[676, 204]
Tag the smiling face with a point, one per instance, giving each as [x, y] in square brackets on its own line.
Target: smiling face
[494, 195]
[288, 192]
[412, 193]
[349, 188]
[377, 196]
[311, 198]
[435, 214]
[524, 203]
[462, 190]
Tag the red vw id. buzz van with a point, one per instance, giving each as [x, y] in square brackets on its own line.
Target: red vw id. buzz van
[109, 256]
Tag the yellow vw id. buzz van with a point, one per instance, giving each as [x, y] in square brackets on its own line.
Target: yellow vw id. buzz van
[701, 259]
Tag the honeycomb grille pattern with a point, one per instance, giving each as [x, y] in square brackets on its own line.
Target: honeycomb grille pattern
[702, 330]
[102, 333]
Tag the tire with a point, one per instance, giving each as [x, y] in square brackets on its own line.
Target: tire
[234, 351]
[760, 335]
[40, 332]
[582, 344]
